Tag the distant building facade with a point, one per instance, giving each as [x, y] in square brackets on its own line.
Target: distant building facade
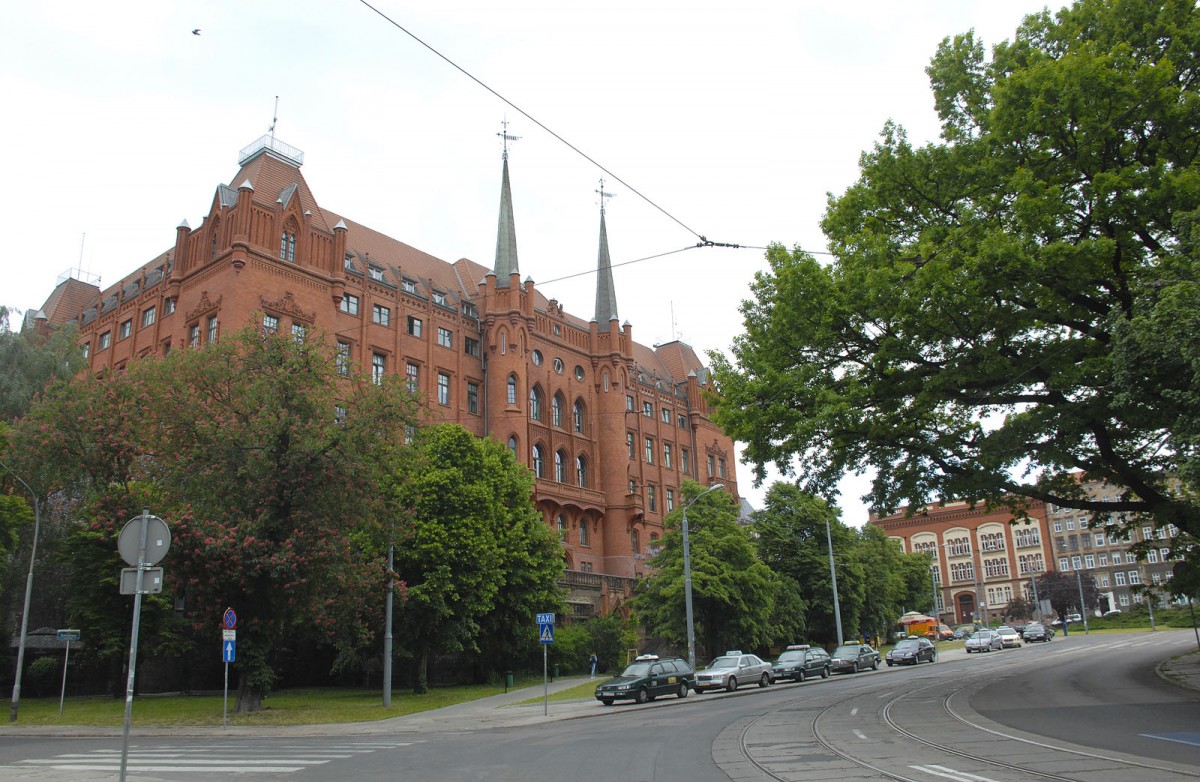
[610, 428]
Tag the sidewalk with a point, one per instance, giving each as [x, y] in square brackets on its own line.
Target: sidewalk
[1183, 670]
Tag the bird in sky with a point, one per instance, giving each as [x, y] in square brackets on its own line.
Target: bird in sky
[196, 31]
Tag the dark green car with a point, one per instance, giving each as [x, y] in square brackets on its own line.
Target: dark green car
[800, 661]
[646, 678]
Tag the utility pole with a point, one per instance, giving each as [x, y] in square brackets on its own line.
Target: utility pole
[37, 523]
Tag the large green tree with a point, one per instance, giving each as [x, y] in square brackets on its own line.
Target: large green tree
[1002, 307]
[29, 361]
[476, 557]
[737, 601]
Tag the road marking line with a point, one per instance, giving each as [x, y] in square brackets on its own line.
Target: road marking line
[949, 773]
[854, 711]
[860, 734]
[1191, 739]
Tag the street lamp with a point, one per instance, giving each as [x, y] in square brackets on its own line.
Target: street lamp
[687, 577]
[37, 523]
[837, 609]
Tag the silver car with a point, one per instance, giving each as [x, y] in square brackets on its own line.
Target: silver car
[733, 669]
[984, 641]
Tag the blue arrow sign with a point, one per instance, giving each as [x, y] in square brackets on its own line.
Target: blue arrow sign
[229, 651]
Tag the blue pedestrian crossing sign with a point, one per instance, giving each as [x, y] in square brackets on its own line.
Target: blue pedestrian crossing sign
[228, 651]
[545, 624]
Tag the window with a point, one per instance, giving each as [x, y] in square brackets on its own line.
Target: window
[1070, 524]
[212, 329]
[339, 414]
[634, 543]
[629, 445]
[1103, 579]
[666, 415]
[375, 273]
[473, 398]
[168, 307]
[1089, 561]
[443, 388]
[1152, 556]
[299, 332]
[412, 373]
[583, 534]
[194, 335]
[1077, 563]
[445, 337]
[632, 486]
[685, 461]
[667, 455]
[647, 409]
[1135, 577]
[649, 450]
[1063, 564]
[1147, 533]
[1103, 560]
[535, 403]
[270, 324]
[560, 467]
[577, 415]
[1099, 538]
[721, 467]
[539, 462]
[652, 497]
[628, 403]
[556, 410]
[581, 471]
[1058, 525]
[414, 326]
[512, 389]
[710, 466]
[512, 445]
[562, 523]
[536, 357]
[125, 329]
[578, 372]
[1116, 557]
[381, 315]
[682, 421]
[1119, 578]
[287, 247]
[349, 304]
[378, 366]
[558, 365]
[439, 298]
[407, 285]
[342, 358]
[670, 500]
[471, 346]
[86, 349]
[105, 340]
[470, 310]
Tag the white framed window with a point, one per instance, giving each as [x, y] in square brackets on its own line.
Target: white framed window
[213, 328]
[407, 285]
[439, 298]
[148, 316]
[378, 367]
[125, 329]
[270, 324]
[443, 389]
[1135, 577]
[1119, 578]
[412, 373]
[375, 273]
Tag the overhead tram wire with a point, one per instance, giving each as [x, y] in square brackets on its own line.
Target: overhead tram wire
[704, 240]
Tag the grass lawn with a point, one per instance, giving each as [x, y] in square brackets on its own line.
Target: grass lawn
[289, 707]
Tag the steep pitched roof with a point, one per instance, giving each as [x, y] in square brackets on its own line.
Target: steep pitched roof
[606, 292]
[68, 300]
[273, 179]
[506, 234]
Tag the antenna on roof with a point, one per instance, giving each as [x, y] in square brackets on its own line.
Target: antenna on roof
[274, 119]
[504, 134]
[604, 195]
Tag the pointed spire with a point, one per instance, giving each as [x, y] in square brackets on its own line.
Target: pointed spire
[506, 233]
[606, 292]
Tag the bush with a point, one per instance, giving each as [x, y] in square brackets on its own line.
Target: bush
[41, 676]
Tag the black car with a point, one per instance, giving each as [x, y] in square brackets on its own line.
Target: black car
[911, 651]
[852, 658]
[1037, 632]
[798, 662]
[646, 678]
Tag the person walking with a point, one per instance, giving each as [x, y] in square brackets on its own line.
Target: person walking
[593, 662]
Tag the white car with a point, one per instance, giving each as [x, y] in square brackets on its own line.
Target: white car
[1010, 637]
[984, 640]
[733, 669]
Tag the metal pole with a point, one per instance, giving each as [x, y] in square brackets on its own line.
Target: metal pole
[133, 641]
[37, 523]
[687, 578]
[1082, 607]
[387, 635]
[1037, 604]
[66, 661]
[1192, 611]
[837, 609]
[936, 614]
[545, 681]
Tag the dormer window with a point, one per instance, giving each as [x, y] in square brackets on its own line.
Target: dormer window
[408, 286]
[375, 272]
[349, 262]
[470, 310]
[439, 298]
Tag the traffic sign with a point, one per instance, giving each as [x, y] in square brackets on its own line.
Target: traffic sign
[229, 619]
[158, 540]
[545, 619]
[546, 634]
[229, 635]
[67, 635]
[152, 580]
[228, 651]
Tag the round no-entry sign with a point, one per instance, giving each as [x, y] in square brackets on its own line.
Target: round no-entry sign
[229, 619]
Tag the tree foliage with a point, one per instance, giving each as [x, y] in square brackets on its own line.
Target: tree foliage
[477, 559]
[1063, 592]
[30, 361]
[1013, 305]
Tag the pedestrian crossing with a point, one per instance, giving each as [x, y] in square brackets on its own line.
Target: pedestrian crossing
[259, 756]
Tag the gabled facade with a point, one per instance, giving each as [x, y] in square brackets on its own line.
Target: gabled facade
[611, 428]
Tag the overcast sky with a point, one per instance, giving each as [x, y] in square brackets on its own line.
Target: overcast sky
[733, 121]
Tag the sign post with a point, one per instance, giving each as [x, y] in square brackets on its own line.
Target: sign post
[68, 636]
[228, 655]
[143, 542]
[545, 624]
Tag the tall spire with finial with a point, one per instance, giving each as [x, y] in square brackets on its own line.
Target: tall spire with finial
[606, 292]
[506, 233]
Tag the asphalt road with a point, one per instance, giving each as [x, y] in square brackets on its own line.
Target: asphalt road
[1074, 709]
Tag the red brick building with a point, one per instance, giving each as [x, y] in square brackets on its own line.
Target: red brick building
[981, 559]
[610, 427]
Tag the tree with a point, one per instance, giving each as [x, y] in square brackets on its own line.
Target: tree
[1063, 592]
[999, 309]
[476, 557]
[734, 594]
[29, 362]
[1018, 608]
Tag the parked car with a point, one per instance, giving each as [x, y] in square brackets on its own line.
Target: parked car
[1038, 632]
[1071, 618]
[984, 640]
[798, 662]
[852, 658]
[911, 651]
[1009, 637]
[647, 677]
[733, 669]
[963, 631]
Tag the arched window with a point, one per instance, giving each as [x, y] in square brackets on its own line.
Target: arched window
[539, 462]
[512, 445]
[556, 410]
[512, 389]
[535, 403]
[287, 246]
[578, 415]
[560, 466]
[562, 523]
[581, 467]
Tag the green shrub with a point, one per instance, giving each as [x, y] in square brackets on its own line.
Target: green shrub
[41, 676]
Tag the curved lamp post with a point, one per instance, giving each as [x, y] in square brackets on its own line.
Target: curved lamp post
[37, 523]
[687, 577]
